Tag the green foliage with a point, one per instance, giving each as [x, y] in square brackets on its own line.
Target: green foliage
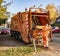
[3, 16]
[1, 1]
[3, 21]
[2, 10]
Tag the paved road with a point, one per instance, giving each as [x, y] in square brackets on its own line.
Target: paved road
[56, 42]
[7, 41]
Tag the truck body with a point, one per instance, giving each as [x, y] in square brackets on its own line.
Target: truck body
[23, 24]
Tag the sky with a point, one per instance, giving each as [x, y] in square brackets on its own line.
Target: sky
[20, 5]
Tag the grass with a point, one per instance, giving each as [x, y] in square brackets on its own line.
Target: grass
[19, 51]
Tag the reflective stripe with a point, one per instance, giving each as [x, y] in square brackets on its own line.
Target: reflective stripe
[27, 23]
[26, 19]
[27, 26]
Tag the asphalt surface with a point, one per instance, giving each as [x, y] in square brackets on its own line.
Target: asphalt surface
[6, 42]
[55, 44]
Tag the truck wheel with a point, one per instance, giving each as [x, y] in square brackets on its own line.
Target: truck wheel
[20, 37]
[11, 32]
[17, 35]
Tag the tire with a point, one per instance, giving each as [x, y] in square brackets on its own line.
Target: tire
[20, 37]
[12, 33]
[16, 35]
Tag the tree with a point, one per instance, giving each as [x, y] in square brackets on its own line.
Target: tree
[53, 12]
[3, 11]
[3, 16]
[1, 1]
[2, 21]
[58, 10]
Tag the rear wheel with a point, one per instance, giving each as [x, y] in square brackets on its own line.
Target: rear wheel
[12, 33]
[17, 35]
[20, 37]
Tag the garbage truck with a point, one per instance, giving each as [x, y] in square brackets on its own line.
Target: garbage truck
[24, 23]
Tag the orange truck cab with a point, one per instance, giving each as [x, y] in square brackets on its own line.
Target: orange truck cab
[23, 24]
